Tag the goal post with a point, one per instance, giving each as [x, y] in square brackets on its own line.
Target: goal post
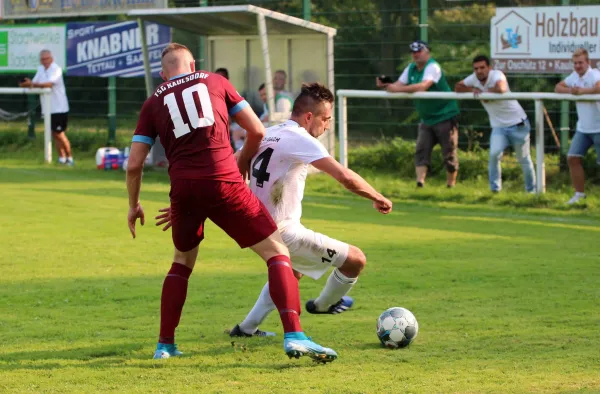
[537, 97]
[45, 97]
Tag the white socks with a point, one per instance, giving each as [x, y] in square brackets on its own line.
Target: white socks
[263, 306]
[337, 286]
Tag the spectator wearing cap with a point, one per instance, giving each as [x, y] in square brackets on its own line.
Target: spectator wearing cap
[509, 122]
[438, 117]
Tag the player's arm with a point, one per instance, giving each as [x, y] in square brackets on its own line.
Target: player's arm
[399, 87]
[593, 90]
[51, 81]
[25, 83]
[143, 139]
[135, 165]
[255, 132]
[460, 87]
[562, 88]
[353, 182]
[501, 87]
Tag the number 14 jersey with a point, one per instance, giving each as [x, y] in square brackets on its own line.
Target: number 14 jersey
[190, 113]
[279, 169]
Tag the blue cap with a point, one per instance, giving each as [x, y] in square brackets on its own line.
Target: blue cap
[418, 46]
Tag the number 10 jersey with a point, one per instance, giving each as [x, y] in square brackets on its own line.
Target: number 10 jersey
[279, 169]
[190, 113]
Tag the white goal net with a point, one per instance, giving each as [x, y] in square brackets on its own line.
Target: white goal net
[44, 95]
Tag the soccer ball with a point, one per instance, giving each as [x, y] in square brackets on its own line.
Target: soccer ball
[397, 327]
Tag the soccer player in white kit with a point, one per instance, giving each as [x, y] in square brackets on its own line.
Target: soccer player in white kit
[277, 176]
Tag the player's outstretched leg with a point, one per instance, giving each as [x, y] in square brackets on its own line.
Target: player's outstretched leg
[173, 297]
[283, 288]
[333, 298]
[249, 327]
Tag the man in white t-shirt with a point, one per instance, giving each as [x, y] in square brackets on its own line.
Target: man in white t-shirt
[238, 135]
[509, 122]
[283, 99]
[277, 176]
[50, 75]
[584, 80]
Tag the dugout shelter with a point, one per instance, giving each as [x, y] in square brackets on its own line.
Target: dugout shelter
[252, 42]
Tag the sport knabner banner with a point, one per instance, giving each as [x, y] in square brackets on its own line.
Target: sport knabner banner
[105, 49]
[15, 9]
[20, 46]
[543, 39]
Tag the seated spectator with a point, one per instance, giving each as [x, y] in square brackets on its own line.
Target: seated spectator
[222, 72]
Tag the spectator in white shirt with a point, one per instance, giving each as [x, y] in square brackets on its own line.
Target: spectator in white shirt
[238, 135]
[509, 122]
[50, 75]
[584, 80]
[283, 99]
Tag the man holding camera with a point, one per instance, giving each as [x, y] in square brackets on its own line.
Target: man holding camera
[50, 75]
[438, 117]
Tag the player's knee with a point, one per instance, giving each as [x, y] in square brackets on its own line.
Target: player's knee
[355, 262]
[451, 167]
[187, 258]
[574, 161]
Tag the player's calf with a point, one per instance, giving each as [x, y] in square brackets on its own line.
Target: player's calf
[333, 298]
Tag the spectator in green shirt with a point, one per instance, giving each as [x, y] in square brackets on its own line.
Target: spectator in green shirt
[438, 117]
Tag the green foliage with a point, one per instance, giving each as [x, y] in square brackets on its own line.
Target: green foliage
[81, 141]
[397, 156]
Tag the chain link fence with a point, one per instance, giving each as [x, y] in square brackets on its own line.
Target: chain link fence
[372, 39]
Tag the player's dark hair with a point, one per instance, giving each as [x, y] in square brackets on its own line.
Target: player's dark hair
[262, 86]
[481, 58]
[223, 72]
[310, 97]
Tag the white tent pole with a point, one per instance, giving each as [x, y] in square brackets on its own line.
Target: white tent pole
[147, 69]
[264, 42]
[343, 129]
[331, 85]
[47, 131]
[539, 147]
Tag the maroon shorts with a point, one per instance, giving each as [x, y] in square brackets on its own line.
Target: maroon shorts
[231, 206]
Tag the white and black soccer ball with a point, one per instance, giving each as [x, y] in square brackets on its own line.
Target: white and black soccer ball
[397, 327]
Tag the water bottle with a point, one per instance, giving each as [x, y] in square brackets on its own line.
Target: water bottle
[126, 151]
[107, 159]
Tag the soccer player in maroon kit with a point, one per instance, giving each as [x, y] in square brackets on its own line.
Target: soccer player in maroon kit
[190, 112]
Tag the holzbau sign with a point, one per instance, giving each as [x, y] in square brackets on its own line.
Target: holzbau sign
[543, 39]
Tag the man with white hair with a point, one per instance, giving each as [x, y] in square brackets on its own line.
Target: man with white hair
[583, 80]
[50, 75]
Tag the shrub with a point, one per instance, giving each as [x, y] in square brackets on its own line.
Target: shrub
[397, 156]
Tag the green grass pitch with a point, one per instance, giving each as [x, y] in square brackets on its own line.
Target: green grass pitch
[507, 299]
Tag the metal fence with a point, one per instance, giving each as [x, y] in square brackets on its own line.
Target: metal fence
[372, 39]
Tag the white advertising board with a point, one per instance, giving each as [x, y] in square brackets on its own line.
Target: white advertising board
[20, 46]
[543, 39]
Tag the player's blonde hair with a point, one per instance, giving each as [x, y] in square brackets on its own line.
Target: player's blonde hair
[174, 47]
[582, 52]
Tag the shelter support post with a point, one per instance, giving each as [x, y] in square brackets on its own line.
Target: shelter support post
[264, 43]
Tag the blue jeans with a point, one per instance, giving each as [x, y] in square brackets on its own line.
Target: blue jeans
[518, 137]
[582, 142]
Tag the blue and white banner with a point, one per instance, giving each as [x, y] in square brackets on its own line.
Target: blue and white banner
[106, 49]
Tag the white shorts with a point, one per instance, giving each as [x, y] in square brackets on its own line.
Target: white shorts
[313, 253]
